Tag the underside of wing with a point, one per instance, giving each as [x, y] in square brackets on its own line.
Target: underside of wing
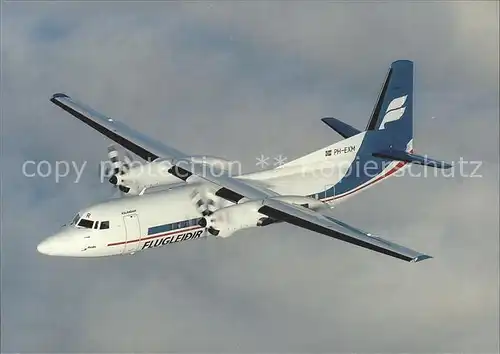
[314, 221]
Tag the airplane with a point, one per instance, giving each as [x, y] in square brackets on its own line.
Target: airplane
[206, 200]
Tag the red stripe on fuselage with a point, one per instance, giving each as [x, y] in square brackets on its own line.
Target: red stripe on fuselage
[387, 174]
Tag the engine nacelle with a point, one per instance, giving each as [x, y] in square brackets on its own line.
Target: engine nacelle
[225, 221]
[140, 176]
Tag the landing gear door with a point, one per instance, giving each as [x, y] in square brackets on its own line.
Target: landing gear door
[132, 232]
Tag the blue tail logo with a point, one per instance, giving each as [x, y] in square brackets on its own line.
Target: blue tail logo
[394, 111]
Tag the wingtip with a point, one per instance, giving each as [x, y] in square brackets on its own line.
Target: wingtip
[440, 164]
[422, 257]
[59, 95]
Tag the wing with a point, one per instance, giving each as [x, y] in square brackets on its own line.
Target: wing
[233, 189]
[311, 220]
[230, 188]
[138, 143]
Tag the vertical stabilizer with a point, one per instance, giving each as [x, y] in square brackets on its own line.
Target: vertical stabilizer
[393, 111]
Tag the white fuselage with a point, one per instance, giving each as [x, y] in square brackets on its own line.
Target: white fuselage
[135, 223]
[131, 224]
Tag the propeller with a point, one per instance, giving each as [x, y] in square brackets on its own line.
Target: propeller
[127, 161]
[206, 203]
[117, 168]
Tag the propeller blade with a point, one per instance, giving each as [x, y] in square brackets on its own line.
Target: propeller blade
[203, 203]
[103, 171]
[206, 203]
[117, 167]
[114, 158]
[123, 189]
[127, 161]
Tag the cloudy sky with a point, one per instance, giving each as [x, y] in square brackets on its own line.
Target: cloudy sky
[240, 80]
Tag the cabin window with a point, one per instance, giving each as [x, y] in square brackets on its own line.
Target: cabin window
[160, 228]
[193, 222]
[86, 223]
[104, 225]
[96, 225]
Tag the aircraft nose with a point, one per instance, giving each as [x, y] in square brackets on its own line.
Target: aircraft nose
[48, 246]
[61, 244]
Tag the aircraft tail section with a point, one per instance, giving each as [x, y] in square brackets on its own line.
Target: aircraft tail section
[390, 128]
[393, 111]
[390, 125]
[383, 148]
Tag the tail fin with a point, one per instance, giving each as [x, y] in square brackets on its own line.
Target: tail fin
[393, 111]
[389, 132]
[393, 117]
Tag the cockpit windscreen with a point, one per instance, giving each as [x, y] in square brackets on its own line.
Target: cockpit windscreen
[89, 224]
[86, 223]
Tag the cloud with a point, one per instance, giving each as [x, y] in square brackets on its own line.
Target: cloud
[238, 80]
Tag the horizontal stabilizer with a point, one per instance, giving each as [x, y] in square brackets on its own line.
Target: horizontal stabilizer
[340, 127]
[412, 158]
